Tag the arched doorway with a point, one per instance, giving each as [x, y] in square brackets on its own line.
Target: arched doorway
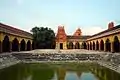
[108, 45]
[93, 45]
[101, 45]
[84, 45]
[97, 45]
[116, 44]
[28, 45]
[70, 45]
[22, 45]
[90, 46]
[15, 45]
[61, 45]
[6, 44]
[77, 45]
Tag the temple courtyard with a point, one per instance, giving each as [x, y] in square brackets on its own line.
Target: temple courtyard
[67, 51]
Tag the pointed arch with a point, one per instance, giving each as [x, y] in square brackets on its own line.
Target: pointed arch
[116, 44]
[15, 45]
[90, 46]
[70, 45]
[84, 45]
[28, 45]
[97, 45]
[22, 45]
[77, 45]
[93, 45]
[108, 45]
[102, 45]
[6, 44]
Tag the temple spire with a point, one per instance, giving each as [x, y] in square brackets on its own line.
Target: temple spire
[61, 38]
[77, 32]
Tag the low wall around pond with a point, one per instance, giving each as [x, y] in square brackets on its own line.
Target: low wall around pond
[7, 60]
[5, 65]
[8, 63]
[109, 65]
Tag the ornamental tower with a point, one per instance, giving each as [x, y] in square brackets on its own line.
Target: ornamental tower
[61, 38]
[77, 32]
[110, 25]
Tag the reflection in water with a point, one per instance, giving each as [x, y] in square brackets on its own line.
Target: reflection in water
[61, 73]
[88, 76]
[65, 71]
[71, 76]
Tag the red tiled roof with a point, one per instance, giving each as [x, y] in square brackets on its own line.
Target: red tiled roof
[116, 27]
[11, 29]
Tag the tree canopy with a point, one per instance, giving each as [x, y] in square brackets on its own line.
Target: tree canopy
[44, 38]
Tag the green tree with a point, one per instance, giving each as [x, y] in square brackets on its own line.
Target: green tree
[44, 38]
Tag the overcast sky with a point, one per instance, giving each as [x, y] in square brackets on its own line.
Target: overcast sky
[92, 16]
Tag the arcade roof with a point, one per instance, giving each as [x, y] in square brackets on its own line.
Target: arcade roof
[116, 27]
[10, 29]
[77, 37]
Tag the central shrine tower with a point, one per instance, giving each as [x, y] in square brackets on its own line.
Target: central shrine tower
[61, 38]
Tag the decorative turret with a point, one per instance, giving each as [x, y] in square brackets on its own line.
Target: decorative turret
[77, 32]
[61, 35]
[61, 38]
[110, 25]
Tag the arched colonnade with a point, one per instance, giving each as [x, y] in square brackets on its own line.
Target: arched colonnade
[76, 45]
[8, 44]
[108, 44]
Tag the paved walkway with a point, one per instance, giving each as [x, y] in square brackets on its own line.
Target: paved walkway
[71, 51]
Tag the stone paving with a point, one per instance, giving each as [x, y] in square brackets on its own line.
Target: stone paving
[71, 51]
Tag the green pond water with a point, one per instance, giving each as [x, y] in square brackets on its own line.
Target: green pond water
[59, 71]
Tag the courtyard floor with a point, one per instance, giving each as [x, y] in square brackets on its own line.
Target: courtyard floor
[70, 51]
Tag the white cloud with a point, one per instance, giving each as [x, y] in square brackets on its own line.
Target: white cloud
[91, 30]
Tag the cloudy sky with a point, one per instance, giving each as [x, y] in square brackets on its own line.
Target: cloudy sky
[92, 16]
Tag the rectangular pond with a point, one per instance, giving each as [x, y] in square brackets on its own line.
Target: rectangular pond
[58, 71]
